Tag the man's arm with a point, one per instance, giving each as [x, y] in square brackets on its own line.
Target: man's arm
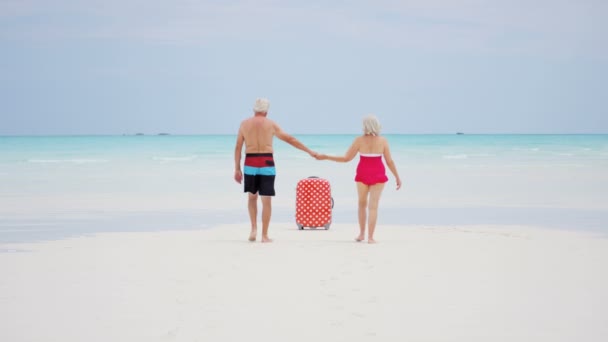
[238, 149]
[291, 140]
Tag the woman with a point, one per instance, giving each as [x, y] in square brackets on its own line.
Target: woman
[371, 174]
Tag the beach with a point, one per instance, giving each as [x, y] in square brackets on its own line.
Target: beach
[123, 218]
[491, 238]
[460, 283]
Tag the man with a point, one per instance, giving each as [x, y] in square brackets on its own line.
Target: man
[257, 133]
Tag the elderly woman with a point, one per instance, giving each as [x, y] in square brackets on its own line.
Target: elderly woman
[371, 174]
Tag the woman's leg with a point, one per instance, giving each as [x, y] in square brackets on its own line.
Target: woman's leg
[374, 197]
[363, 191]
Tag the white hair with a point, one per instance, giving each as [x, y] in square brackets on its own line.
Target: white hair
[261, 105]
[371, 125]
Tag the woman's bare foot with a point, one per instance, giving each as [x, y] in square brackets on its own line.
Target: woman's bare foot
[360, 238]
[266, 239]
[371, 241]
[253, 234]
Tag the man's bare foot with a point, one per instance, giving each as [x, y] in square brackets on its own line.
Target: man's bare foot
[371, 241]
[252, 236]
[360, 238]
[266, 239]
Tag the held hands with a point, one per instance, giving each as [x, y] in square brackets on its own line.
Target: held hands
[318, 156]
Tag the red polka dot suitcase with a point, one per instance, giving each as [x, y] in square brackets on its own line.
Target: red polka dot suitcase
[313, 203]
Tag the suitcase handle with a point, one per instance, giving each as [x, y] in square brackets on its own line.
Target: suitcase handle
[313, 177]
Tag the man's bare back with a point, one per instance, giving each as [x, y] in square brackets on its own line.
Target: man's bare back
[258, 132]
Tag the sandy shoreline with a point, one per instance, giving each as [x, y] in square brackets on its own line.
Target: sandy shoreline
[459, 283]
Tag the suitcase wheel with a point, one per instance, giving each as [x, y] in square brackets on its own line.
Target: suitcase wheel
[300, 227]
[327, 226]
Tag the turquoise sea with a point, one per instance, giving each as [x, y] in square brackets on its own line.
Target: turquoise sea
[61, 186]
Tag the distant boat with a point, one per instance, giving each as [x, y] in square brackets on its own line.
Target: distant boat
[163, 133]
[139, 134]
[459, 133]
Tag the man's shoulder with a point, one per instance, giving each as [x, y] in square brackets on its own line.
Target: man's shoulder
[272, 125]
[256, 118]
[246, 122]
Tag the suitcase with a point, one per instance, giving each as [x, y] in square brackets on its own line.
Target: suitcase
[314, 203]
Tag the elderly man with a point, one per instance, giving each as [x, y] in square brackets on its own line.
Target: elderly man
[257, 134]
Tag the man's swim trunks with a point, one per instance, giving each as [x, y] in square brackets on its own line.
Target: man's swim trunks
[259, 173]
[371, 170]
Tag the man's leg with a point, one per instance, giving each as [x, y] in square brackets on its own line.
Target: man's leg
[266, 213]
[252, 205]
[363, 191]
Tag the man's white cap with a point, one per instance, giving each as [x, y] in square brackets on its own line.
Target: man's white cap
[261, 105]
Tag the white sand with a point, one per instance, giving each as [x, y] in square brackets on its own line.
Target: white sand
[417, 284]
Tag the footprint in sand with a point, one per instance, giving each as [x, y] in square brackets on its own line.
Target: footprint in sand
[372, 300]
[336, 324]
[171, 334]
[346, 273]
[358, 314]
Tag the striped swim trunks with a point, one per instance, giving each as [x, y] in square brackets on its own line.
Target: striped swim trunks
[259, 173]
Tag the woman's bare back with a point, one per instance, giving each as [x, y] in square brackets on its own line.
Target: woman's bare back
[371, 144]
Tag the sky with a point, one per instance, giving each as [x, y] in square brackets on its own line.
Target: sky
[196, 67]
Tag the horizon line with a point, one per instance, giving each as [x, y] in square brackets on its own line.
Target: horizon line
[234, 134]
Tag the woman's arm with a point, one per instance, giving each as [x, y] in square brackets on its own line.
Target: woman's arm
[391, 164]
[348, 156]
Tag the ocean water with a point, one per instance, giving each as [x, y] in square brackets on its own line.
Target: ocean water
[62, 186]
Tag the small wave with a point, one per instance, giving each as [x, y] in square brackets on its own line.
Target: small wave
[174, 159]
[531, 149]
[73, 161]
[455, 156]
[25, 224]
[44, 161]
[12, 250]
